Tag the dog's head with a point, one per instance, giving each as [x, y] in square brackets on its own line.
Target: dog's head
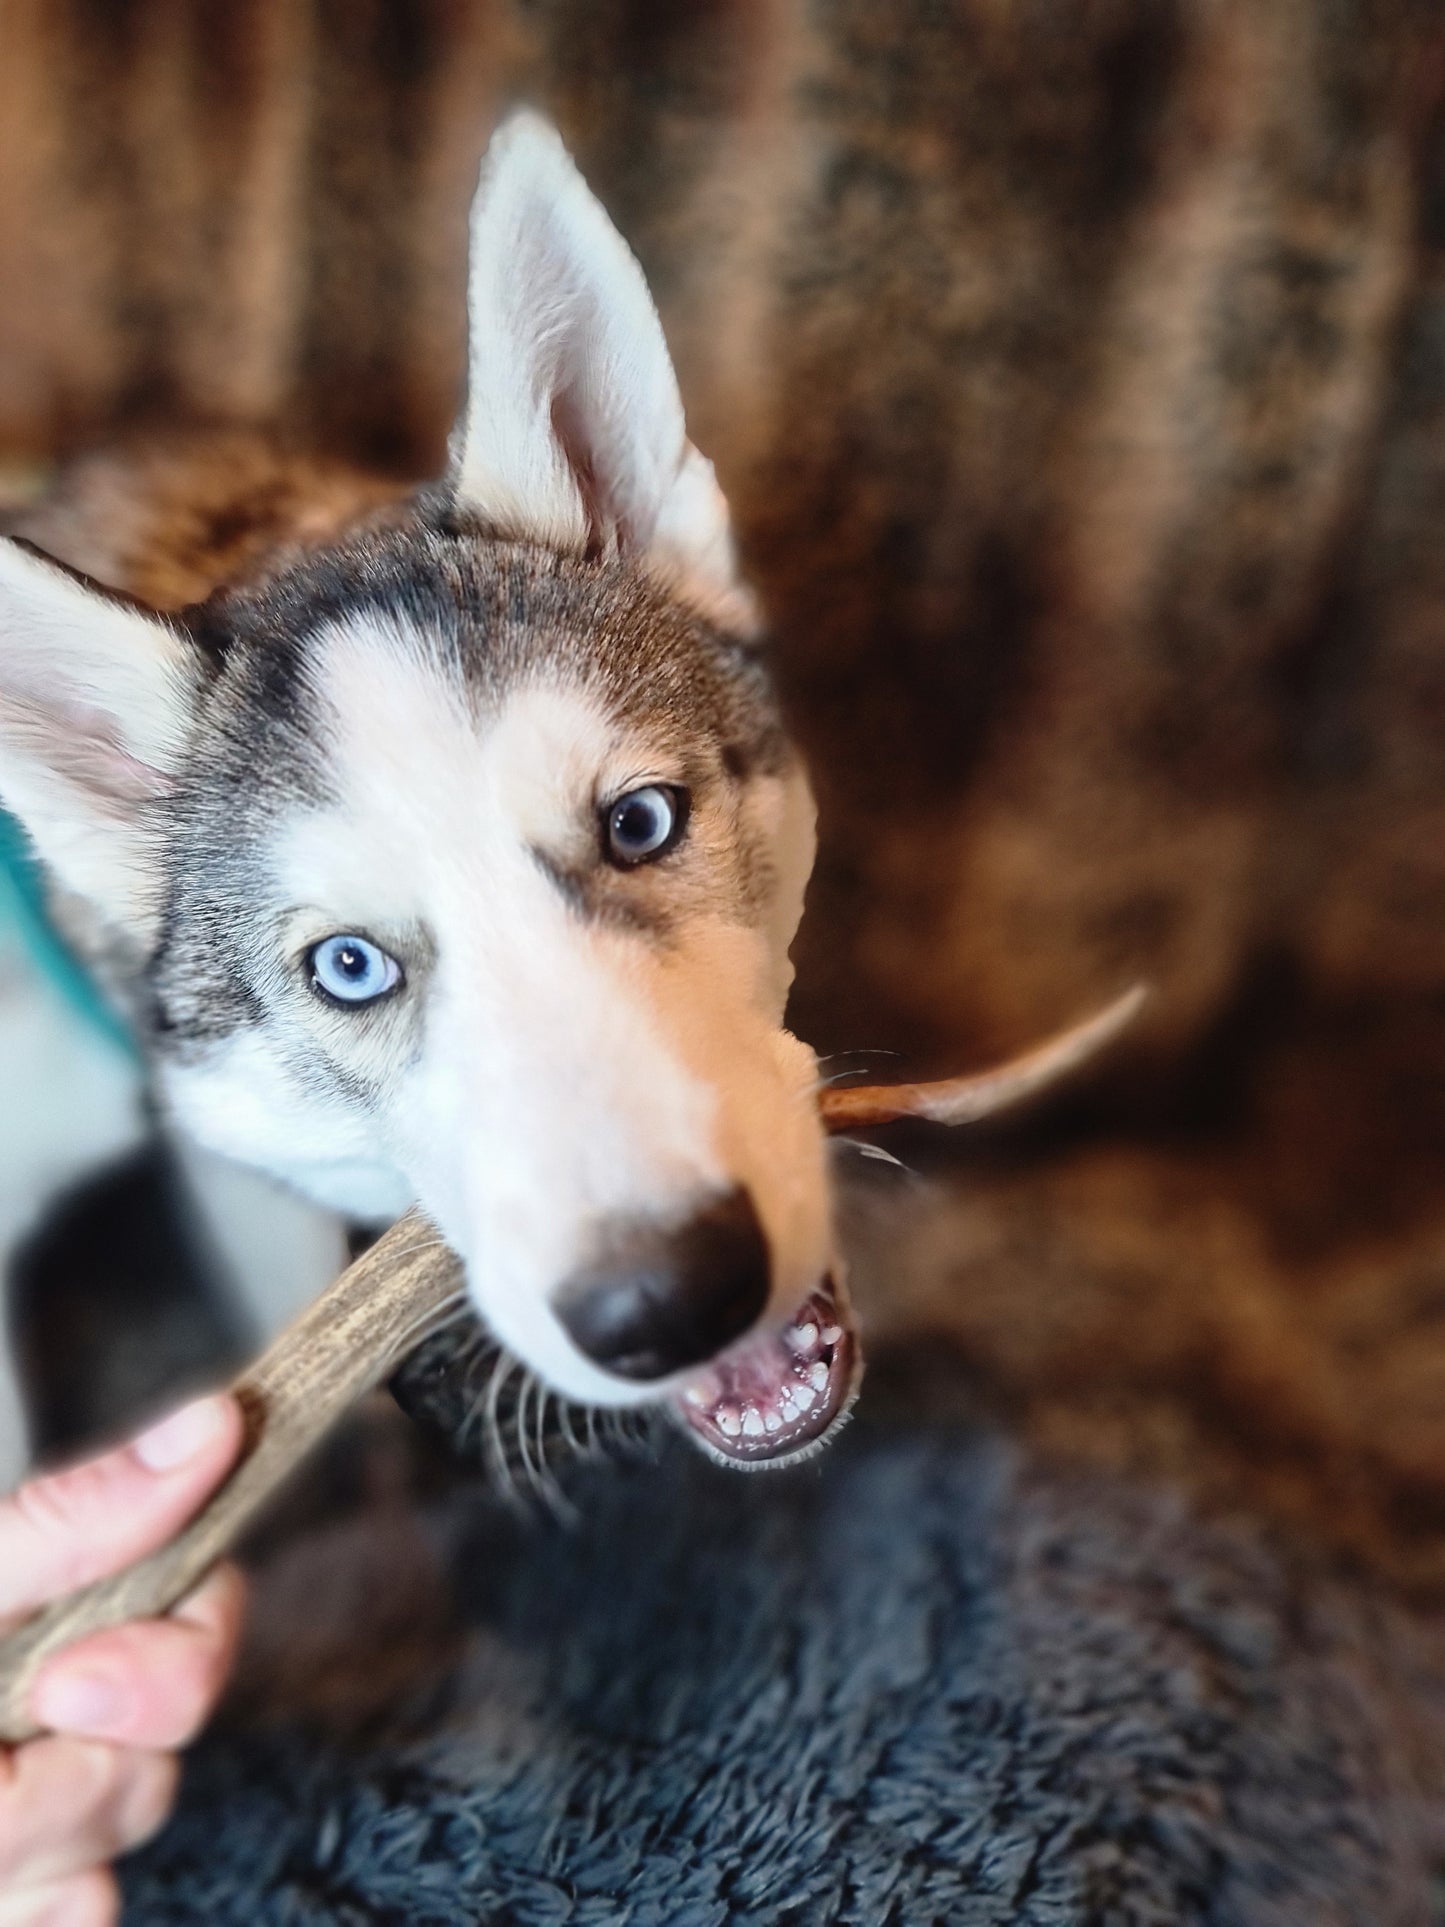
[460, 860]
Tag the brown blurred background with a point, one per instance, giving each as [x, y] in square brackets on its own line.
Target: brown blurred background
[1077, 376]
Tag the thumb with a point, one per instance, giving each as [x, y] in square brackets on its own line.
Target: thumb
[64, 1530]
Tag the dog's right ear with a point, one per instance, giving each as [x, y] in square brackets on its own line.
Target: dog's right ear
[96, 700]
[573, 431]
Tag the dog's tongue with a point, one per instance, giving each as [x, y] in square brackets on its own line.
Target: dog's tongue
[776, 1396]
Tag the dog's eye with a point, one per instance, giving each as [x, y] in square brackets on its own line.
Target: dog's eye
[352, 970]
[645, 824]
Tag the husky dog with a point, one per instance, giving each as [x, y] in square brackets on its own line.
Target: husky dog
[452, 849]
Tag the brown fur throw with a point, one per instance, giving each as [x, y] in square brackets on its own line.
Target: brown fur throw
[1077, 375]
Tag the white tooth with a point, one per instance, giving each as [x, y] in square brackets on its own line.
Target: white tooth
[818, 1377]
[831, 1334]
[728, 1424]
[752, 1424]
[772, 1421]
[806, 1398]
[788, 1399]
[695, 1396]
[803, 1337]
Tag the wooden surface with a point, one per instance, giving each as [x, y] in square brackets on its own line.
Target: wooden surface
[341, 1346]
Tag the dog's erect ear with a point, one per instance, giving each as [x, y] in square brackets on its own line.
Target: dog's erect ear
[573, 429]
[96, 697]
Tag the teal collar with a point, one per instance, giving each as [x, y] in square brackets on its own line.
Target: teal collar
[23, 907]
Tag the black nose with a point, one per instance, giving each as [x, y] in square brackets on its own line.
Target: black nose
[658, 1300]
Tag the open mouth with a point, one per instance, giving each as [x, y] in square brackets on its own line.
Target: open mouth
[770, 1400]
[778, 1395]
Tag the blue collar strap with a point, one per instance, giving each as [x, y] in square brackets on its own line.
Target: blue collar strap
[22, 905]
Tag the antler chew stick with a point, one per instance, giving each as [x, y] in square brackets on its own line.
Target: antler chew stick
[342, 1345]
[963, 1100]
[363, 1325]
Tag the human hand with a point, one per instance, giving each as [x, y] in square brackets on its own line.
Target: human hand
[117, 1704]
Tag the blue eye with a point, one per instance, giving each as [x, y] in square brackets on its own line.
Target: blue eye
[352, 970]
[645, 824]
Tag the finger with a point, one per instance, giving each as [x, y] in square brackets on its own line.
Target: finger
[88, 1900]
[67, 1805]
[151, 1683]
[62, 1531]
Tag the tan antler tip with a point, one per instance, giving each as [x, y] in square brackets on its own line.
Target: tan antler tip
[963, 1100]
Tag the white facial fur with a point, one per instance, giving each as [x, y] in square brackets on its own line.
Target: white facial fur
[541, 1075]
[544, 1070]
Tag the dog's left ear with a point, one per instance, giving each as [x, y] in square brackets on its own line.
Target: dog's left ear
[573, 431]
[96, 700]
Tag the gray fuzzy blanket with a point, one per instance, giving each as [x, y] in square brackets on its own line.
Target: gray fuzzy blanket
[926, 1681]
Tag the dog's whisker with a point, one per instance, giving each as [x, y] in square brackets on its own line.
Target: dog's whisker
[562, 1507]
[519, 1429]
[874, 1151]
[832, 1076]
[527, 1434]
[619, 1427]
[569, 1435]
[474, 1410]
[524, 1430]
[543, 1483]
[414, 1251]
[493, 1442]
[431, 1324]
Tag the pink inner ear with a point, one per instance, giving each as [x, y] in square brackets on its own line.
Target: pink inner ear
[615, 517]
[570, 430]
[81, 745]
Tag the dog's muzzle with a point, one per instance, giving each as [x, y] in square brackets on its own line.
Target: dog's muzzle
[657, 1300]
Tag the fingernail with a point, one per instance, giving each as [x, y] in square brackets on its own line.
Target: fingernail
[181, 1436]
[80, 1703]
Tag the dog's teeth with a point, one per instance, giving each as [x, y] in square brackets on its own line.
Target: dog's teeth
[696, 1397]
[772, 1421]
[805, 1398]
[788, 1398]
[831, 1334]
[752, 1423]
[818, 1377]
[729, 1424]
[803, 1337]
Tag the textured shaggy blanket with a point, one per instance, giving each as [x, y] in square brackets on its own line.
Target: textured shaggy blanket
[927, 1681]
[1077, 376]
[1040, 1641]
